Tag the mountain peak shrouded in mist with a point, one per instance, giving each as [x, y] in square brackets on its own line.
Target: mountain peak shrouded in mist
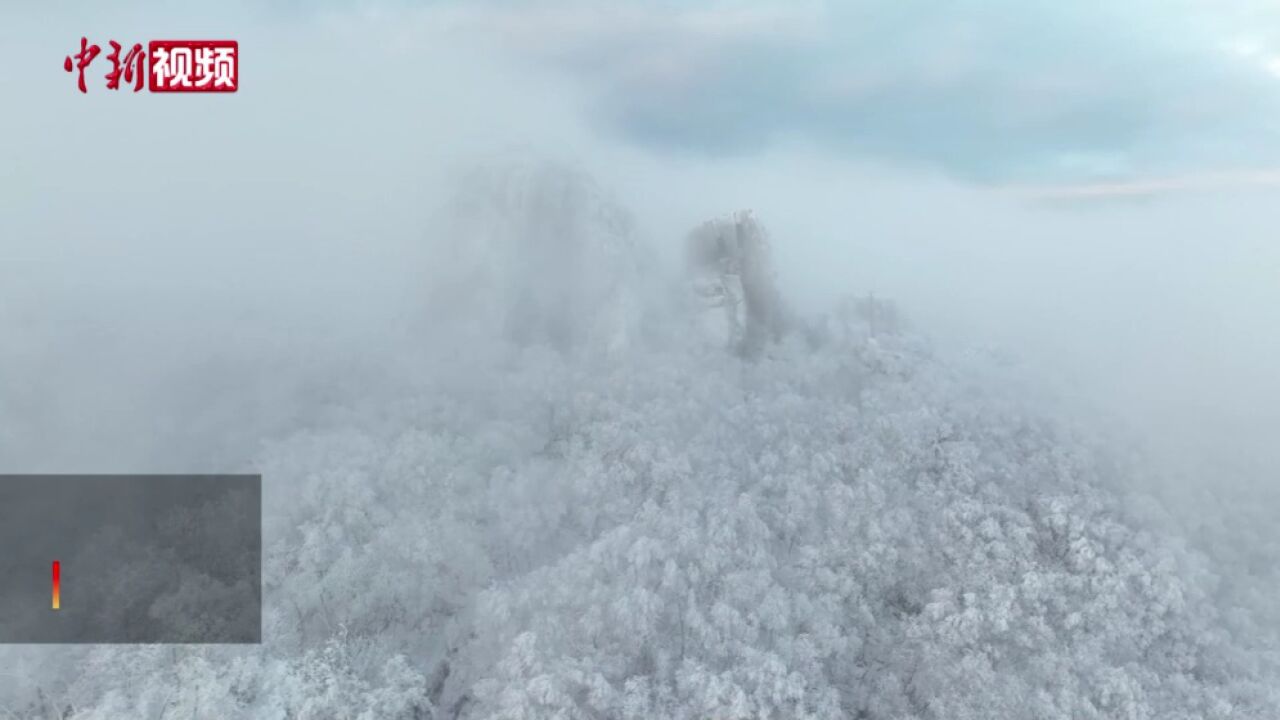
[612, 360]
[540, 253]
[846, 528]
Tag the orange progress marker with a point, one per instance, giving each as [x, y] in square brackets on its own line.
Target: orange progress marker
[57, 584]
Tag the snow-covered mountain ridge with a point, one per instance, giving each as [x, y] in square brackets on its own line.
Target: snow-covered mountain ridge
[605, 515]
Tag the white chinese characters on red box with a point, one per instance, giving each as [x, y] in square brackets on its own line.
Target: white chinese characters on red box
[194, 65]
[173, 65]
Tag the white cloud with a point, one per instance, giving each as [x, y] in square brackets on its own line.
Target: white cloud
[995, 90]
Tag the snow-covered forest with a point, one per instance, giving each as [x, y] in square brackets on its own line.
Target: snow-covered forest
[601, 489]
[703, 360]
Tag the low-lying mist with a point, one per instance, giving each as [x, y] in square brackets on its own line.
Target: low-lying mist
[158, 252]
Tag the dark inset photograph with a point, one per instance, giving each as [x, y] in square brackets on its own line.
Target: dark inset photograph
[130, 559]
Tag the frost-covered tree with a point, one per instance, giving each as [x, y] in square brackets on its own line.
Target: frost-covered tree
[731, 265]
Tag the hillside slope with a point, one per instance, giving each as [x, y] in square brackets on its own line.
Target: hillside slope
[842, 526]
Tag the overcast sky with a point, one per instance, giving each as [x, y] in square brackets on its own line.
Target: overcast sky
[990, 90]
[1092, 184]
[993, 90]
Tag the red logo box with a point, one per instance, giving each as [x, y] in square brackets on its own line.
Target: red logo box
[193, 66]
